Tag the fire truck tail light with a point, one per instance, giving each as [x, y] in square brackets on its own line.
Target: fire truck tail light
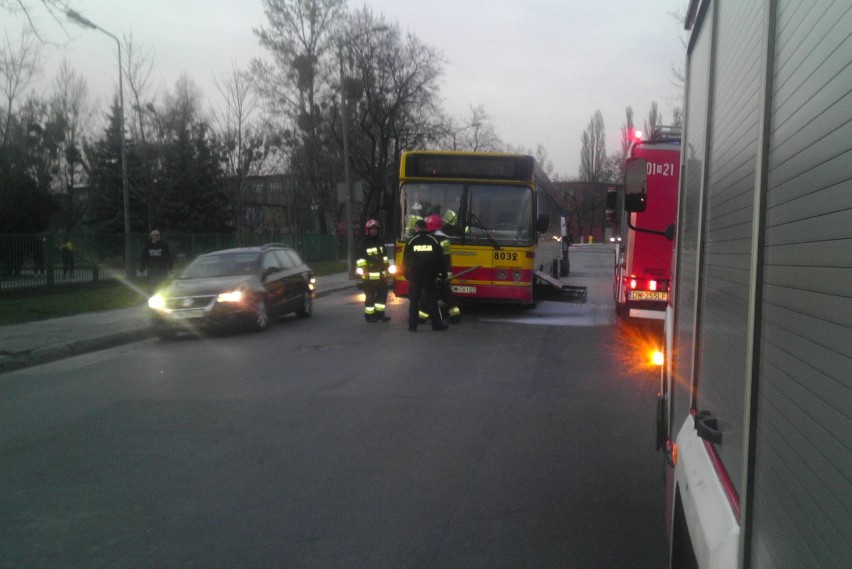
[652, 285]
[632, 283]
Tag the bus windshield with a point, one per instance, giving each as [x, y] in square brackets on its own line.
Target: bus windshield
[473, 213]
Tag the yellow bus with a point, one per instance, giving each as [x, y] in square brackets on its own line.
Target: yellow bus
[500, 212]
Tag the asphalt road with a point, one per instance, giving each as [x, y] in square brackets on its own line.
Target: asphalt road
[519, 439]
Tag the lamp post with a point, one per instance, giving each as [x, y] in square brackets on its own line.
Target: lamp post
[128, 262]
[347, 173]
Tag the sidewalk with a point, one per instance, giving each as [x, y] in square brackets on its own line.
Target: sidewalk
[33, 343]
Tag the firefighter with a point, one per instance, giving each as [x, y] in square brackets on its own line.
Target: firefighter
[373, 266]
[435, 226]
[423, 263]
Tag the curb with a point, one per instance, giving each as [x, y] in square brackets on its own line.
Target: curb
[57, 352]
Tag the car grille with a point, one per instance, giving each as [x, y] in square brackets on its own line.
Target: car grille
[184, 302]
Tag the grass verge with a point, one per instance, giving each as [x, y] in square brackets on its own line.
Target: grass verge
[55, 302]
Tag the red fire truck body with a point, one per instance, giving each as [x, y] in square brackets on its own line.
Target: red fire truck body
[643, 266]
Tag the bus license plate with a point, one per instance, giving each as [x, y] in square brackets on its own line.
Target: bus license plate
[464, 289]
[647, 295]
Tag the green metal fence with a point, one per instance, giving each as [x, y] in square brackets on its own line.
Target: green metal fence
[46, 259]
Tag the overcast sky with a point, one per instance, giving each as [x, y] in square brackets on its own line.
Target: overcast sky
[540, 68]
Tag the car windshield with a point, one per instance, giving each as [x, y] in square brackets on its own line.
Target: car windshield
[221, 265]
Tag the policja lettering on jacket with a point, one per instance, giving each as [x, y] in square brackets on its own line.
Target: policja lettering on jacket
[423, 263]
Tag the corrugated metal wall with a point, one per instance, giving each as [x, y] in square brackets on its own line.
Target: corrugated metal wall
[803, 443]
[797, 261]
[726, 251]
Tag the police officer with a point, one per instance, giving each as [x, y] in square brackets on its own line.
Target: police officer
[373, 265]
[435, 226]
[423, 263]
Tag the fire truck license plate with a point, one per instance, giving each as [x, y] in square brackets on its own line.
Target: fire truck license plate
[464, 289]
[647, 295]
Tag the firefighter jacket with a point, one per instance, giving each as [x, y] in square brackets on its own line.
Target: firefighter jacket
[423, 257]
[372, 259]
[446, 250]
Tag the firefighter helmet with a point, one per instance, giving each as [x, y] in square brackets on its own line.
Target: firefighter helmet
[370, 224]
[434, 222]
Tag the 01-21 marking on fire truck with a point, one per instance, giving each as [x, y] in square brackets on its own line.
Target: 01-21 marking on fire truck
[665, 169]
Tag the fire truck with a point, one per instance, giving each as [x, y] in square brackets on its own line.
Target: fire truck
[644, 255]
[755, 400]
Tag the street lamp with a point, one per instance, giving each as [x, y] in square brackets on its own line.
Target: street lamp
[128, 262]
[347, 174]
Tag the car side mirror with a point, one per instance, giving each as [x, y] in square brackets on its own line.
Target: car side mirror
[635, 184]
[542, 222]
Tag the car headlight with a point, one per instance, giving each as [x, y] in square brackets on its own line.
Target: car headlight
[230, 296]
[157, 302]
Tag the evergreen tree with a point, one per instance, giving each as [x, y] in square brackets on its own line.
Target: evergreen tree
[106, 210]
[26, 163]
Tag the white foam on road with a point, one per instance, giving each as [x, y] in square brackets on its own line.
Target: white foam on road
[547, 313]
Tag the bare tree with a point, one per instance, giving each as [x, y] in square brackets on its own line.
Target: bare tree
[244, 145]
[618, 160]
[593, 155]
[399, 107]
[475, 133]
[544, 160]
[304, 40]
[55, 8]
[654, 121]
[145, 126]
[679, 69]
[19, 64]
[596, 168]
[71, 110]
